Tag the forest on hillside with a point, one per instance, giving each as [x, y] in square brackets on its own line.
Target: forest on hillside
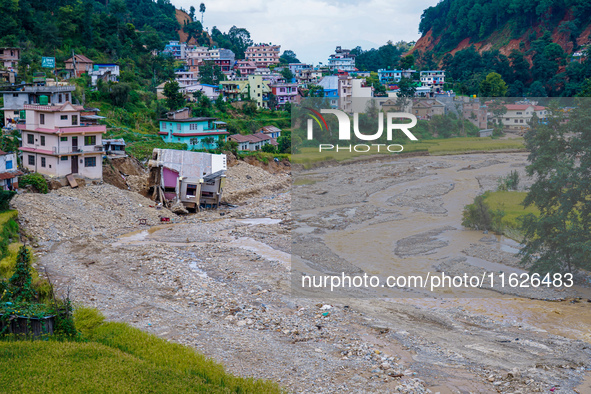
[455, 20]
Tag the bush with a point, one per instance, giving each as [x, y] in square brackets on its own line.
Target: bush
[5, 197]
[480, 216]
[509, 182]
[36, 181]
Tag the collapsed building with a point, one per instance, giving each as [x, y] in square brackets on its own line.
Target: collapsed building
[194, 179]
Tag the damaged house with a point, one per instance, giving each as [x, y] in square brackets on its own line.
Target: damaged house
[194, 179]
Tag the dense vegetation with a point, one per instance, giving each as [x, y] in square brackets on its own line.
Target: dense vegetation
[455, 20]
[550, 72]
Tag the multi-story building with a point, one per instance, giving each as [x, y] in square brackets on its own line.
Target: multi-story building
[105, 72]
[196, 132]
[263, 55]
[330, 85]
[9, 57]
[8, 172]
[234, 90]
[475, 112]
[78, 65]
[427, 108]
[245, 67]
[433, 79]
[341, 60]
[284, 92]
[210, 91]
[393, 76]
[518, 115]
[259, 90]
[186, 78]
[15, 100]
[308, 76]
[345, 93]
[178, 50]
[54, 143]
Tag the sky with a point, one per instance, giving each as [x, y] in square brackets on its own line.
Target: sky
[313, 28]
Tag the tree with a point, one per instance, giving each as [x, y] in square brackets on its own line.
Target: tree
[287, 74]
[558, 238]
[493, 86]
[406, 87]
[272, 101]
[269, 148]
[192, 13]
[174, 98]
[202, 10]
[537, 89]
[193, 30]
[407, 62]
[120, 94]
[288, 56]
[210, 73]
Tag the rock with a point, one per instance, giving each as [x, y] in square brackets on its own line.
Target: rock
[179, 209]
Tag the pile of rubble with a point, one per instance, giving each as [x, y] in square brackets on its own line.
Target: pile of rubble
[87, 211]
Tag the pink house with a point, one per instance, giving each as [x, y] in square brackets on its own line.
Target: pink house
[55, 143]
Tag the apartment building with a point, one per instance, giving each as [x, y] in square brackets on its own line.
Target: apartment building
[263, 55]
[54, 143]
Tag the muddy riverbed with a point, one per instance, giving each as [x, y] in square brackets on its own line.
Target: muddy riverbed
[220, 281]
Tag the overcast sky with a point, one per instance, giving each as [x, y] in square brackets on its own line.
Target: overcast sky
[313, 28]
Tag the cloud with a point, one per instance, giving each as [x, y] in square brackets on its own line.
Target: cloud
[312, 28]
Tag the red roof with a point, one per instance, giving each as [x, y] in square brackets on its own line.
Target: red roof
[10, 174]
[523, 107]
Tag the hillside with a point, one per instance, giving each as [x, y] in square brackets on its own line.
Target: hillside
[538, 43]
[453, 25]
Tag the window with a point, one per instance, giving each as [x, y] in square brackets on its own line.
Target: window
[30, 139]
[42, 119]
[43, 162]
[65, 139]
[31, 160]
[64, 158]
[178, 127]
[90, 162]
[64, 117]
[90, 140]
[59, 98]
[42, 140]
[191, 190]
[67, 96]
[8, 164]
[518, 113]
[74, 120]
[15, 95]
[16, 112]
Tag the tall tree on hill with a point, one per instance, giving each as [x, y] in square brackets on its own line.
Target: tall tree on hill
[174, 98]
[192, 13]
[202, 10]
[493, 86]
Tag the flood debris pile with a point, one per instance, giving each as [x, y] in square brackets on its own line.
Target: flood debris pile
[88, 211]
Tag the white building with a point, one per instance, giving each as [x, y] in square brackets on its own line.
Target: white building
[106, 72]
[341, 60]
[55, 144]
[8, 171]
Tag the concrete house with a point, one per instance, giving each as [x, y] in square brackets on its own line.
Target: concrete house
[196, 132]
[271, 131]
[105, 72]
[263, 55]
[16, 98]
[341, 60]
[79, 64]
[252, 142]
[284, 92]
[433, 79]
[9, 57]
[427, 108]
[55, 144]
[518, 115]
[8, 172]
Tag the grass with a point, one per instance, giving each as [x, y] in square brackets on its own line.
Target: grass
[115, 357]
[436, 147]
[511, 204]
